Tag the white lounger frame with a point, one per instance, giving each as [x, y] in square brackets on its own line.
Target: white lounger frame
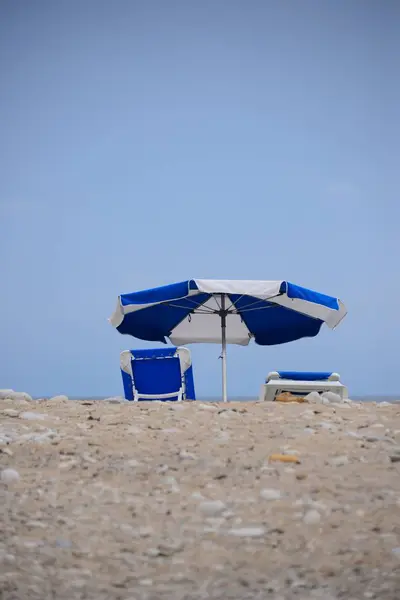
[275, 385]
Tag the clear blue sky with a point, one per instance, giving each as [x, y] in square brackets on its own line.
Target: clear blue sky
[149, 142]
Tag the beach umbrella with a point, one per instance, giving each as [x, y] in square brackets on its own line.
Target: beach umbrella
[226, 312]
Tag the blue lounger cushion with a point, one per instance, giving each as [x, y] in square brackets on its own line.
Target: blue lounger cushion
[305, 375]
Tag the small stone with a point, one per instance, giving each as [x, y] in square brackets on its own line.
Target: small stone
[320, 507]
[301, 476]
[210, 407]
[396, 551]
[60, 398]
[252, 532]
[309, 430]
[36, 525]
[171, 481]
[10, 412]
[395, 454]
[197, 496]
[212, 507]
[313, 398]
[162, 469]
[228, 514]
[20, 397]
[170, 548]
[270, 494]
[115, 400]
[9, 558]
[33, 416]
[145, 532]
[332, 397]
[187, 455]
[9, 476]
[60, 543]
[339, 461]
[153, 552]
[87, 458]
[312, 517]
[383, 404]
[288, 450]
[6, 451]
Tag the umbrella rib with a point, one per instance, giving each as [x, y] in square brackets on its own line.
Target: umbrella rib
[197, 308]
[252, 304]
[243, 310]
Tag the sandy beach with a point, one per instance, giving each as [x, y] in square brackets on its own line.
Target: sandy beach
[106, 500]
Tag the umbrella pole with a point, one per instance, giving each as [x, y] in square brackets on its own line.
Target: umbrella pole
[223, 353]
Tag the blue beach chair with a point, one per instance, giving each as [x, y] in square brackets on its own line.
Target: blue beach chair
[157, 374]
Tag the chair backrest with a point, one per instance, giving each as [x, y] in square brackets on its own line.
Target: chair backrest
[153, 375]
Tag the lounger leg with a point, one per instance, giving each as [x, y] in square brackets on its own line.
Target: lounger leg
[261, 397]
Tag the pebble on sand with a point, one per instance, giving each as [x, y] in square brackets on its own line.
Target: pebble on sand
[332, 397]
[395, 454]
[212, 507]
[339, 461]
[9, 476]
[33, 416]
[312, 517]
[253, 532]
[270, 494]
[60, 398]
[10, 412]
[313, 397]
[209, 407]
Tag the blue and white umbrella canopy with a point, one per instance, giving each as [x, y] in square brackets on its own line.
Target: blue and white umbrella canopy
[227, 312]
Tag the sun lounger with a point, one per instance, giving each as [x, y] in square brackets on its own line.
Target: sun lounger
[301, 383]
